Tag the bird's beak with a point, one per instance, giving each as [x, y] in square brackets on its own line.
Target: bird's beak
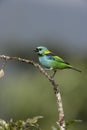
[36, 50]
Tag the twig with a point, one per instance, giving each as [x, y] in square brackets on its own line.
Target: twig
[61, 120]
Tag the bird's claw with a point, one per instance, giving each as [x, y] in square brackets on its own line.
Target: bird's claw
[52, 76]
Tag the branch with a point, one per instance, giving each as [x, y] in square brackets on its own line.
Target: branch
[61, 120]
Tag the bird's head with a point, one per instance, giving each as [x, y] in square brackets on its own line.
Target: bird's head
[41, 50]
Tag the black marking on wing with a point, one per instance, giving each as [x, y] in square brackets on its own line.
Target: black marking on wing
[50, 56]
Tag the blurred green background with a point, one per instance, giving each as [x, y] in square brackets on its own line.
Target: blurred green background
[24, 91]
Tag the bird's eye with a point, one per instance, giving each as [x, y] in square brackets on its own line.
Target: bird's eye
[40, 49]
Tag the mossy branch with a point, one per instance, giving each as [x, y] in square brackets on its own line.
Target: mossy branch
[61, 120]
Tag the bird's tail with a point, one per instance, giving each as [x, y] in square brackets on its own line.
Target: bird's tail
[75, 69]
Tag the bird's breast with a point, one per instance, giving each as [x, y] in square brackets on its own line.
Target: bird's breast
[44, 61]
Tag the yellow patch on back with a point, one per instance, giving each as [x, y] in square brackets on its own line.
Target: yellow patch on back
[46, 52]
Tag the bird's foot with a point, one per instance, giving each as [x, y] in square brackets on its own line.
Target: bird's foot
[52, 76]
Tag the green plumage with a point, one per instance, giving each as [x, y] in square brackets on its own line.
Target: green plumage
[49, 60]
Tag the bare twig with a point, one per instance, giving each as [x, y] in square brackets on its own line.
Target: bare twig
[61, 120]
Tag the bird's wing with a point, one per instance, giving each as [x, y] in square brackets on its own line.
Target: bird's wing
[56, 58]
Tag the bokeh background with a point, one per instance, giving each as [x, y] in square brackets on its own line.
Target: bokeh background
[61, 25]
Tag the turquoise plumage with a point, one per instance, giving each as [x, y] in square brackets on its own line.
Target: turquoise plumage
[50, 61]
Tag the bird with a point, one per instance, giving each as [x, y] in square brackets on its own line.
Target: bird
[52, 62]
